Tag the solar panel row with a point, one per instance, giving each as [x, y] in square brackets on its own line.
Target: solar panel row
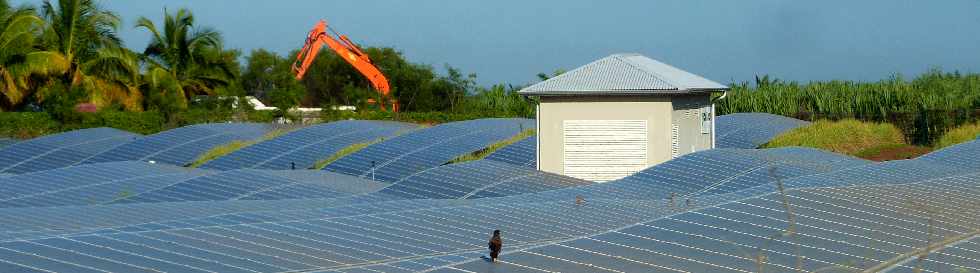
[304, 147]
[521, 153]
[401, 156]
[842, 229]
[478, 179]
[750, 130]
[183, 145]
[60, 150]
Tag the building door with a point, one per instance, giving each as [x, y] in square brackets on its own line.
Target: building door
[604, 150]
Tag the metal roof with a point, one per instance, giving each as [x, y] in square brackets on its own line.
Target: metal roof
[623, 74]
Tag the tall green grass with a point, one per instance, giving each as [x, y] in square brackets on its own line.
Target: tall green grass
[847, 136]
[968, 132]
[924, 107]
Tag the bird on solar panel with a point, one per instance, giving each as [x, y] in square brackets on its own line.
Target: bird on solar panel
[495, 245]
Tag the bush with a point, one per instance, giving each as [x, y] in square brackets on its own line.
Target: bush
[958, 135]
[412, 117]
[25, 125]
[847, 136]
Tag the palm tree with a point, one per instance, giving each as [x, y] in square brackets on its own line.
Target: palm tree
[18, 57]
[85, 36]
[78, 29]
[184, 60]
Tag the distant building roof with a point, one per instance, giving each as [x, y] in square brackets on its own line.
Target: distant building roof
[624, 74]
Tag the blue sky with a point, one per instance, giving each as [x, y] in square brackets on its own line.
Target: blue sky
[509, 41]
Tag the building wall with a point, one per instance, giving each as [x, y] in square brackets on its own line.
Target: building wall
[553, 111]
[688, 112]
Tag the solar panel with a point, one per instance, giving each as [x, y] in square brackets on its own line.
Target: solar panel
[60, 150]
[324, 243]
[750, 130]
[4, 142]
[249, 184]
[306, 146]
[410, 153]
[846, 228]
[183, 145]
[87, 184]
[848, 213]
[478, 179]
[521, 153]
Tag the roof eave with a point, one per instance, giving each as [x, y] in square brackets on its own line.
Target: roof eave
[622, 92]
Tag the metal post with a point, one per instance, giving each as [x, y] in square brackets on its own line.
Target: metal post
[292, 165]
[372, 169]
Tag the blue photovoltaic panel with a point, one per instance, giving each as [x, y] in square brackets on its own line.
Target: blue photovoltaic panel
[87, 184]
[964, 155]
[847, 213]
[249, 184]
[521, 153]
[4, 142]
[410, 153]
[478, 179]
[716, 171]
[750, 130]
[306, 146]
[850, 228]
[183, 145]
[60, 150]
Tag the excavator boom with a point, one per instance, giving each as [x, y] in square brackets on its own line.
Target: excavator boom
[348, 51]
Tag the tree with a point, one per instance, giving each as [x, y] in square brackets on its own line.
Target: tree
[182, 61]
[85, 37]
[19, 59]
[270, 76]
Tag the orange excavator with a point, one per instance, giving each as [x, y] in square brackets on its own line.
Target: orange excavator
[348, 51]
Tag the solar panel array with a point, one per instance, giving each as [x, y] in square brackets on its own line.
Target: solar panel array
[7, 141]
[60, 150]
[521, 153]
[840, 229]
[739, 210]
[479, 179]
[750, 130]
[413, 152]
[245, 184]
[306, 146]
[183, 145]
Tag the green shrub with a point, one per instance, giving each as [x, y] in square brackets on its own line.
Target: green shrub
[24, 125]
[847, 136]
[958, 135]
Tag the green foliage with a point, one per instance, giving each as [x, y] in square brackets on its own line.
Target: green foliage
[411, 117]
[26, 125]
[483, 153]
[418, 88]
[270, 77]
[184, 60]
[499, 101]
[965, 133]
[923, 108]
[847, 136]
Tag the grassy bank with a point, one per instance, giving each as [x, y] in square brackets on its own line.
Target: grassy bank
[870, 140]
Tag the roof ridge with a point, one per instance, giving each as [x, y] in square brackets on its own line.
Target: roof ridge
[645, 71]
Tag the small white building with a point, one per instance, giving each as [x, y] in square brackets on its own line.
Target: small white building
[619, 115]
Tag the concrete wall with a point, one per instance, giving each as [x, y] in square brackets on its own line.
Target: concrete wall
[687, 115]
[553, 111]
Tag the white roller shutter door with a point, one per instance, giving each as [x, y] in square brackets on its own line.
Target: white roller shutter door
[604, 150]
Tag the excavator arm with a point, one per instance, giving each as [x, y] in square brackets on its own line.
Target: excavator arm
[348, 51]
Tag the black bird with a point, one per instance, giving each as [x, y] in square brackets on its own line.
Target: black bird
[495, 245]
